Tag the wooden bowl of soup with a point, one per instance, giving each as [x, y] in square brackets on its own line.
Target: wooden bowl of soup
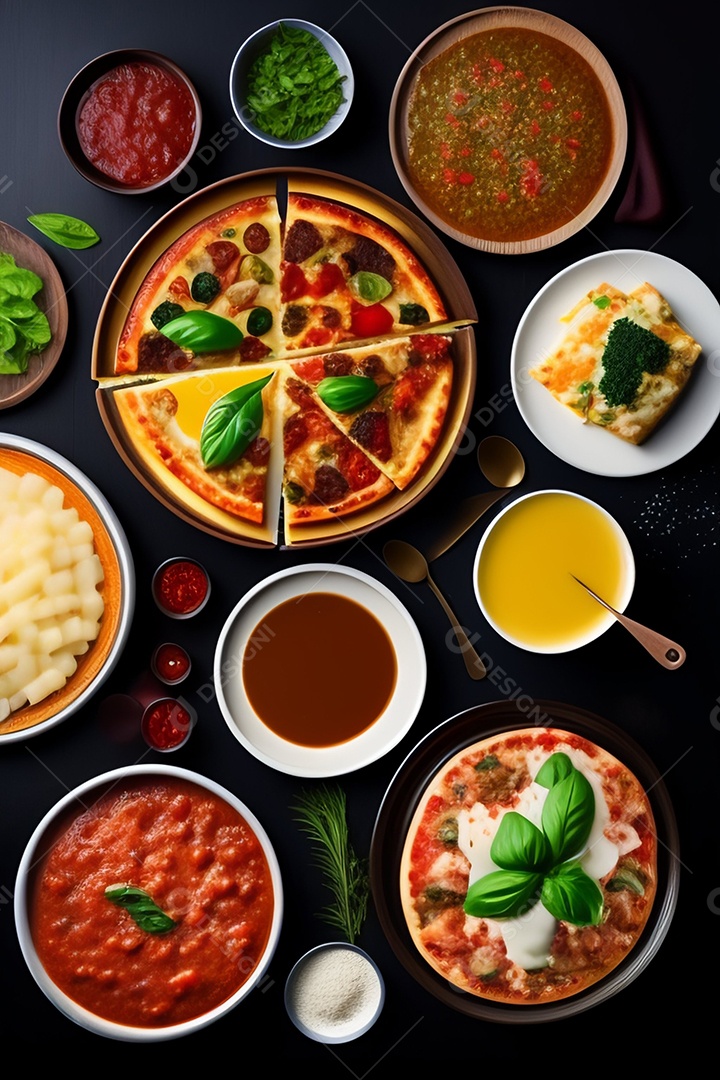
[524, 567]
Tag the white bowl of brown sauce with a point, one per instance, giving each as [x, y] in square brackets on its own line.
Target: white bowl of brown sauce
[319, 670]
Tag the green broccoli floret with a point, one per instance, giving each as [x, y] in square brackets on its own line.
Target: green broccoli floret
[205, 287]
[630, 351]
[165, 313]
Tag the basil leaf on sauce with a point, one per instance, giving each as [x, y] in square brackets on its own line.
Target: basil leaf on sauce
[570, 894]
[69, 232]
[231, 424]
[141, 906]
[555, 769]
[202, 332]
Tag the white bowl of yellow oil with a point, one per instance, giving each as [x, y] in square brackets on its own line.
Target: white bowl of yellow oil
[527, 561]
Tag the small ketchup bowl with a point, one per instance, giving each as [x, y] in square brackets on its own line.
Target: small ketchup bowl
[170, 663]
[181, 587]
[136, 83]
[166, 724]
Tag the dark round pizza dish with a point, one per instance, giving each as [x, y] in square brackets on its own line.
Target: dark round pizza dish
[470, 946]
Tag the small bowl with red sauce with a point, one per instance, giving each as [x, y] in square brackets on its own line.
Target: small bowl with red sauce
[161, 119]
[170, 663]
[181, 587]
[166, 724]
[147, 950]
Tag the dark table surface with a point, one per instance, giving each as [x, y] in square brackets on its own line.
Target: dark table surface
[672, 715]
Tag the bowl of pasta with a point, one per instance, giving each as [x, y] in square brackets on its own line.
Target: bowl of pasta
[67, 588]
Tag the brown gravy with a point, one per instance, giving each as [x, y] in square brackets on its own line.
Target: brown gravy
[319, 669]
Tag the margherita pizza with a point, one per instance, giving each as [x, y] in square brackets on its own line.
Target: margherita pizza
[529, 868]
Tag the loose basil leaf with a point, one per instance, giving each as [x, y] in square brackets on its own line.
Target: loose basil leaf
[202, 332]
[567, 815]
[518, 844]
[231, 424]
[141, 906]
[370, 287]
[69, 232]
[503, 894]
[570, 895]
[555, 769]
[347, 393]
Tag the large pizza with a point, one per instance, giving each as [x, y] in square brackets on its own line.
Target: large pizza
[529, 869]
[285, 369]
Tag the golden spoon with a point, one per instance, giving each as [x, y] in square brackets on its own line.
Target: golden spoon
[503, 465]
[666, 652]
[409, 564]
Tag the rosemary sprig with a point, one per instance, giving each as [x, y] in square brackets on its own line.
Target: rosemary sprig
[322, 816]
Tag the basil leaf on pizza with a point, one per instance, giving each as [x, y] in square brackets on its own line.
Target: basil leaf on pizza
[202, 331]
[347, 393]
[555, 769]
[571, 895]
[503, 894]
[232, 423]
[568, 814]
[519, 845]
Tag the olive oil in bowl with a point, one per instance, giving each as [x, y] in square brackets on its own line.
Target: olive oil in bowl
[524, 566]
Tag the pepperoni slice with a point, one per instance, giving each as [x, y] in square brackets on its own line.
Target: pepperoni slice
[371, 430]
[158, 353]
[252, 348]
[256, 238]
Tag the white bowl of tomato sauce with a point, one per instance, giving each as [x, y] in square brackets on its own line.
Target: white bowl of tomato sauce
[130, 121]
[148, 903]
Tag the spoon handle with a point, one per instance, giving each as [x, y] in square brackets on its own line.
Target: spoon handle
[473, 663]
[666, 652]
[469, 511]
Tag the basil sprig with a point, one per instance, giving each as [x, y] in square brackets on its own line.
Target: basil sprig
[232, 423]
[203, 331]
[542, 864]
[69, 232]
[141, 906]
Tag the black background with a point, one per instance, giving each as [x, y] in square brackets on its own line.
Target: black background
[673, 715]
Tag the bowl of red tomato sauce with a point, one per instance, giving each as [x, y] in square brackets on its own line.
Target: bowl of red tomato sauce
[148, 903]
[130, 121]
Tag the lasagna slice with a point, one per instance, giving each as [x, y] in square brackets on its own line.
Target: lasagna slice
[622, 362]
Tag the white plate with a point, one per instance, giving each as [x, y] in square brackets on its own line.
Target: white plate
[388, 729]
[584, 445]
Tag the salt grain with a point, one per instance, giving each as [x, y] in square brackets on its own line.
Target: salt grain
[335, 993]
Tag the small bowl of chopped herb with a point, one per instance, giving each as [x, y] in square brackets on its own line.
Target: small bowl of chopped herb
[291, 84]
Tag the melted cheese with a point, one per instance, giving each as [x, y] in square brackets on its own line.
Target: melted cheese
[528, 938]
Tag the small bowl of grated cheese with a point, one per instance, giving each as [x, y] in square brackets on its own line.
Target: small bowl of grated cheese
[334, 993]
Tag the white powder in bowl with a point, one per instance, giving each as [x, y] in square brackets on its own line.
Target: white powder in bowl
[335, 992]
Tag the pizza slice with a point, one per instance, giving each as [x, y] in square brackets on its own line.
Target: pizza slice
[347, 276]
[622, 363]
[325, 475]
[390, 399]
[226, 266]
[167, 421]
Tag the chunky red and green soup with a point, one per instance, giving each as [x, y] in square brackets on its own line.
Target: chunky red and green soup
[510, 134]
[201, 864]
